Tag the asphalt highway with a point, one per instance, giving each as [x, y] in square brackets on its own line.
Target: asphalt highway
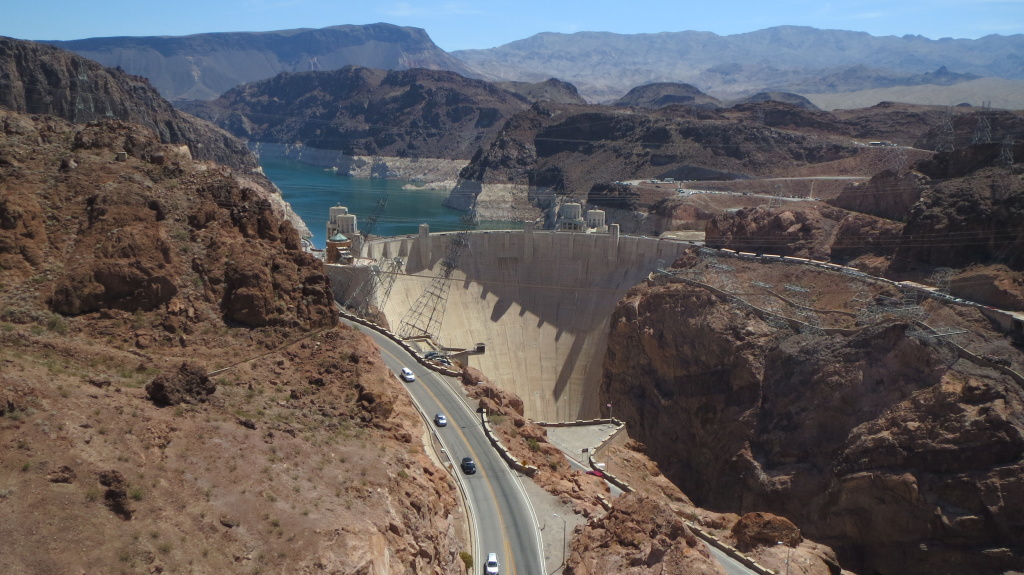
[503, 519]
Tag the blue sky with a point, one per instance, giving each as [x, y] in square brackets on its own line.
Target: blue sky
[455, 25]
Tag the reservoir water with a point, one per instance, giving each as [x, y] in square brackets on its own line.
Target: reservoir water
[312, 191]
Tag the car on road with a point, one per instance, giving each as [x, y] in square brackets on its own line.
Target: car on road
[408, 375]
[491, 566]
[595, 473]
[440, 420]
[468, 465]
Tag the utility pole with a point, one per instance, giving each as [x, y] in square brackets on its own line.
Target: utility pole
[563, 537]
[788, 550]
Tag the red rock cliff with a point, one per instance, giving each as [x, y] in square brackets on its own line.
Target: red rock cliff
[889, 448]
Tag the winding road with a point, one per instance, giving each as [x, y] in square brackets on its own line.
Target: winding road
[503, 519]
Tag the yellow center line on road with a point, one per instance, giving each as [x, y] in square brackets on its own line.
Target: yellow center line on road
[509, 558]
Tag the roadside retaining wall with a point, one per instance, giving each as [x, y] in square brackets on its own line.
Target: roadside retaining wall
[503, 451]
[731, 552]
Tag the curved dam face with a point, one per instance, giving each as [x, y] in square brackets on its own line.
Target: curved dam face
[539, 300]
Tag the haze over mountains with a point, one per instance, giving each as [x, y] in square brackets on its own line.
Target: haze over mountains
[784, 58]
[204, 66]
[602, 66]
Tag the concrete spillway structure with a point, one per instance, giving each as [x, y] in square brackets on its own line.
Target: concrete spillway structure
[540, 300]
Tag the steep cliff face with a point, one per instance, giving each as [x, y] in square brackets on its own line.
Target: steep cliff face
[965, 219]
[885, 446]
[640, 536]
[41, 79]
[889, 194]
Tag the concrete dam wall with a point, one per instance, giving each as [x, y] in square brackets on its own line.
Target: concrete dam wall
[540, 301]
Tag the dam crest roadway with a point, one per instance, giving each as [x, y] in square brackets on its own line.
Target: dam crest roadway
[541, 301]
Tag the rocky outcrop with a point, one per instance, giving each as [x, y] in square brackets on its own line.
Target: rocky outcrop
[661, 94]
[880, 445]
[550, 90]
[996, 285]
[889, 194]
[189, 384]
[639, 536]
[966, 220]
[800, 233]
[758, 529]
[116, 495]
[784, 97]
[125, 251]
[41, 79]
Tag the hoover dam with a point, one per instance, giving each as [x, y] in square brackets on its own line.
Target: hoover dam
[541, 301]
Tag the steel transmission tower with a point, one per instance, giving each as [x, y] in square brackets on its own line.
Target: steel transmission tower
[1006, 152]
[983, 131]
[947, 134]
[382, 277]
[424, 317]
[363, 295]
[895, 159]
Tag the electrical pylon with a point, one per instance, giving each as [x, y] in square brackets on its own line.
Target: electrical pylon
[983, 131]
[362, 296]
[947, 134]
[424, 317]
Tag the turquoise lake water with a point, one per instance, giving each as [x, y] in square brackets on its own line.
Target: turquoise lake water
[312, 191]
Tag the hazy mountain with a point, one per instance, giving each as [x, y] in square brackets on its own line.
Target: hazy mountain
[204, 66]
[550, 90]
[784, 97]
[604, 65]
[661, 94]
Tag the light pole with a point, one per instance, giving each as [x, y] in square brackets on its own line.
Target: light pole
[610, 416]
[563, 536]
[788, 549]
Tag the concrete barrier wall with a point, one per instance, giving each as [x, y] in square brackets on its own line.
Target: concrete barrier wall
[503, 451]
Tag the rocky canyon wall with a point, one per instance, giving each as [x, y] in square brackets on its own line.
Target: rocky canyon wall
[890, 448]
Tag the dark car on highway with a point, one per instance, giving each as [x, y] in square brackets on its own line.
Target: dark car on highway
[468, 466]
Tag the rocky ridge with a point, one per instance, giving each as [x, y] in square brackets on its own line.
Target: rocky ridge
[877, 443]
[368, 112]
[47, 80]
[797, 59]
[661, 94]
[119, 270]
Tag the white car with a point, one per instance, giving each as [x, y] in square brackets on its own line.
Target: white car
[491, 566]
[408, 375]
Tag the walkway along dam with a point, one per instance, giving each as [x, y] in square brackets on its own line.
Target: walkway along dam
[540, 300]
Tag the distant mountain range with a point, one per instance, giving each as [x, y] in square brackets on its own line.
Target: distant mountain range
[601, 66]
[785, 58]
[204, 66]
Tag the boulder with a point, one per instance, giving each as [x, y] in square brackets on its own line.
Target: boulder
[189, 384]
